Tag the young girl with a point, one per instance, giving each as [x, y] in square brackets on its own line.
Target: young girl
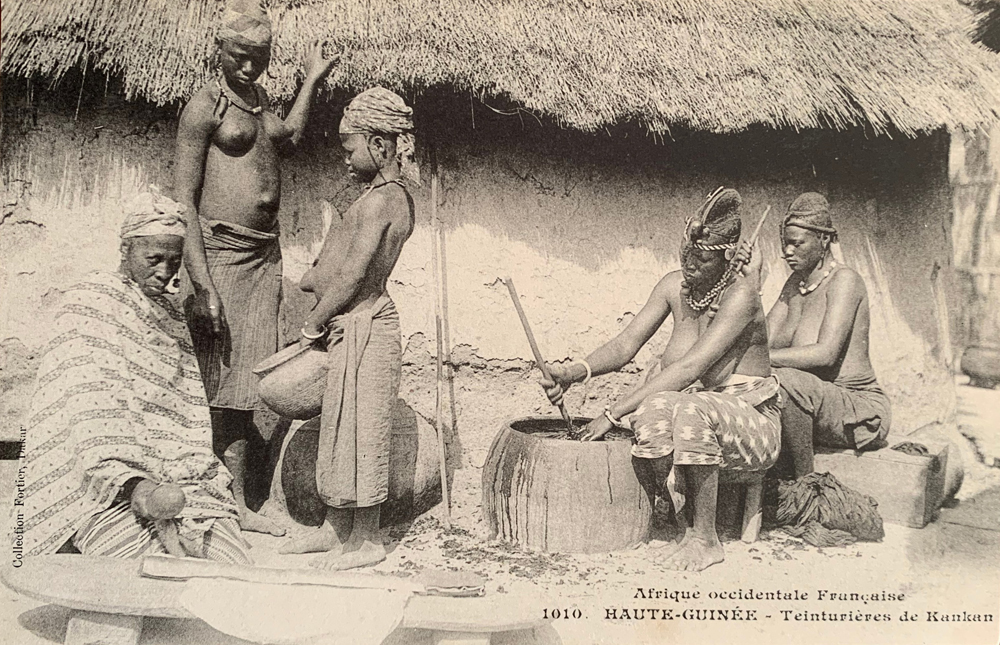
[359, 320]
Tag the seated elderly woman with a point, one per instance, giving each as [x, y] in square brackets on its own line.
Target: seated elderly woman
[118, 450]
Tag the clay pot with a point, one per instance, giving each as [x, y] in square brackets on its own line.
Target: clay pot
[563, 495]
[414, 478]
[292, 381]
[982, 365]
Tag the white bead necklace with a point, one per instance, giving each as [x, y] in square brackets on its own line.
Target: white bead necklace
[804, 290]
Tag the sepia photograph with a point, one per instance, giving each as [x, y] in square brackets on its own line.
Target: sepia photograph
[500, 322]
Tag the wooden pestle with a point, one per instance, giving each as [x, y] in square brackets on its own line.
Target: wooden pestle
[738, 263]
[534, 349]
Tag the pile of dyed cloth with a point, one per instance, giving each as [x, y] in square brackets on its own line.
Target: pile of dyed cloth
[824, 512]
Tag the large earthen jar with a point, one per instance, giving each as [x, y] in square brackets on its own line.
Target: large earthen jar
[552, 493]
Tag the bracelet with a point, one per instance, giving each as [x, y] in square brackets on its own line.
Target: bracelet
[618, 423]
[586, 366]
[309, 336]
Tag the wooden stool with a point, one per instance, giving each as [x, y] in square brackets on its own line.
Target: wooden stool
[752, 512]
[111, 599]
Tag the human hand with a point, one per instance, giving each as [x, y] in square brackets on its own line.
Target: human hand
[596, 429]
[309, 334]
[751, 261]
[317, 66]
[561, 379]
[208, 313]
[154, 501]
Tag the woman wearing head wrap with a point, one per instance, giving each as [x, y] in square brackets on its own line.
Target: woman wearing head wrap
[712, 402]
[118, 453]
[357, 320]
[818, 334]
[227, 174]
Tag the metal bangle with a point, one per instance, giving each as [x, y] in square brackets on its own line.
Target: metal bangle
[586, 366]
[618, 423]
[309, 336]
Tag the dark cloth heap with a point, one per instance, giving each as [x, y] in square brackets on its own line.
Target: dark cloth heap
[824, 512]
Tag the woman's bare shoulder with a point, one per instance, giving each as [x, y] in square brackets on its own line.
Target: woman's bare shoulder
[847, 278]
[200, 110]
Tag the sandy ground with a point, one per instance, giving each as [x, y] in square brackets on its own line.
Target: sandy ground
[949, 567]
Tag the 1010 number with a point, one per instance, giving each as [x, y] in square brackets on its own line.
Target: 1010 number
[561, 613]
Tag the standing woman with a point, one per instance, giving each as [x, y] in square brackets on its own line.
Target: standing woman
[227, 174]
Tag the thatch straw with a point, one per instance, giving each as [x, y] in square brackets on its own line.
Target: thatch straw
[987, 29]
[717, 65]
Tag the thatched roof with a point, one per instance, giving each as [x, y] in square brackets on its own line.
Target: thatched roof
[717, 65]
[987, 29]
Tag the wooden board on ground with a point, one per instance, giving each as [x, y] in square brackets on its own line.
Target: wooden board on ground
[909, 489]
[105, 590]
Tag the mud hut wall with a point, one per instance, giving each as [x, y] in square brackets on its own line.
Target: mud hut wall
[585, 224]
[975, 160]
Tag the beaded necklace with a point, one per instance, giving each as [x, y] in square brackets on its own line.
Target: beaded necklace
[234, 98]
[702, 303]
[372, 187]
[804, 290]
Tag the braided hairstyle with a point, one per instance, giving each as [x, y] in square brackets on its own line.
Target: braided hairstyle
[811, 212]
[716, 227]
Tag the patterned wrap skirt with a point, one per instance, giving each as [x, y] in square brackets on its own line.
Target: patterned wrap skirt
[735, 425]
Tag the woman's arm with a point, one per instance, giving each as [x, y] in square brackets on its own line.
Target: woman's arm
[317, 68]
[194, 136]
[617, 352]
[372, 224]
[740, 305]
[845, 295]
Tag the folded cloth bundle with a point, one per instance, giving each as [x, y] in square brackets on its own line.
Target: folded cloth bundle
[824, 512]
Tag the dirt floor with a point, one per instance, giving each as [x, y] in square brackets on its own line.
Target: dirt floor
[950, 567]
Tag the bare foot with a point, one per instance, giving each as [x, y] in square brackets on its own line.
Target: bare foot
[696, 554]
[664, 549]
[257, 523]
[319, 540]
[370, 553]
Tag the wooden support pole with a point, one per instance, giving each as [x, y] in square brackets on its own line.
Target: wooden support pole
[439, 333]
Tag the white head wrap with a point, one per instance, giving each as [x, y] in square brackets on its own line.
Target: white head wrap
[151, 213]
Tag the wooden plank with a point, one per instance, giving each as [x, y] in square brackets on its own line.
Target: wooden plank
[90, 628]
[474, 615]
[909, 489]
[92, 583]
[114, 586]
